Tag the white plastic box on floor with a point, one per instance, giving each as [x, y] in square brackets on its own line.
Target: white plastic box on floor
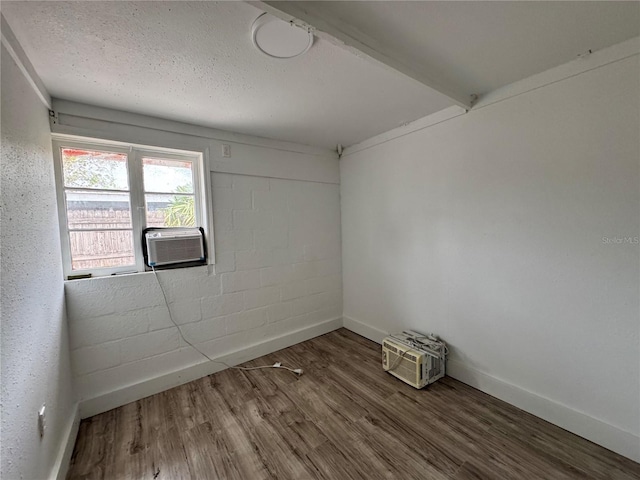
[414, 358]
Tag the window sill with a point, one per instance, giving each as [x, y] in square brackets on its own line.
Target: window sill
[177, 272]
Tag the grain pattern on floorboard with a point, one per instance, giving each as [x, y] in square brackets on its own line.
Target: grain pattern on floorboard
[345, 418]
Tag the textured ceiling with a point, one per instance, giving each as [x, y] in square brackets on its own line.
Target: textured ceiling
[479, 46]
[194, 61]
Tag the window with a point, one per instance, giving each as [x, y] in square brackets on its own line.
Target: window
[109, 193]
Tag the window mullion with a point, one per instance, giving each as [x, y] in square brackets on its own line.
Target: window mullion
[94, 190]
[100, 229]
[198, 194]
[138, 216]
[171, 193]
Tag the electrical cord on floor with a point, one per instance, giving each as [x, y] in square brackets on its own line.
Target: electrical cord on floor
[296, 371]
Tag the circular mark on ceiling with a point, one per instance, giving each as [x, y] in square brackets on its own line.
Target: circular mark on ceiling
[279, 39]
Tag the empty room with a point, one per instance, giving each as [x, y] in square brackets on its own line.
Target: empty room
[320, 240]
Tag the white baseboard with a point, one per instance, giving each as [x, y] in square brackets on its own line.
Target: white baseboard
[61, 466]
[604, 434]
[131, 393]
[586, 426]
[367, 331]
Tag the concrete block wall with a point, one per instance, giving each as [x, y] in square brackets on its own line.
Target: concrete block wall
[278, 270]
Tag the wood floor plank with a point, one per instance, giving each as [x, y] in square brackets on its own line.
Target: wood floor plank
[331, 462]
[345, 418]
[207, 451]
[97, 452]
[280, 457]
[400, 455]
[363, 458]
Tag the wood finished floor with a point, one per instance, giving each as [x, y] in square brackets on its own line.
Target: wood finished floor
[344, 418]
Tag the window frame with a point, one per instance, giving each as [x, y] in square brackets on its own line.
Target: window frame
[135, 153]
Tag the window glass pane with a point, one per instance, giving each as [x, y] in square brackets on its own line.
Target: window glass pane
[170, 210]
[92, 169]
[101, 249]
[167, 176]
[98, 210]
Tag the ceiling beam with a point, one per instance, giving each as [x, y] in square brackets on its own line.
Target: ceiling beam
[341, 33]
[19, 56]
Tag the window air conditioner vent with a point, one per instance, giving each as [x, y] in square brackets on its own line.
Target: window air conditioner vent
[174, 245]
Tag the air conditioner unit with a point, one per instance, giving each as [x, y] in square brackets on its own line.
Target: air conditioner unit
[174, 245]
[414, 358]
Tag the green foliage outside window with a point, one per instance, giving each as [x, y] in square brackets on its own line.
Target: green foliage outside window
[181, 210]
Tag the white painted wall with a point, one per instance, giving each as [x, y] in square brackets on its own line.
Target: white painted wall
[277, 278]
[35, 352]
[278, 271]
[490, 229]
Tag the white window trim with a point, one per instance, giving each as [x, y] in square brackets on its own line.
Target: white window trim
[135, 152]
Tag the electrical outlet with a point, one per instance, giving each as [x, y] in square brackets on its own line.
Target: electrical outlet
[41, 421]
[226, 150]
